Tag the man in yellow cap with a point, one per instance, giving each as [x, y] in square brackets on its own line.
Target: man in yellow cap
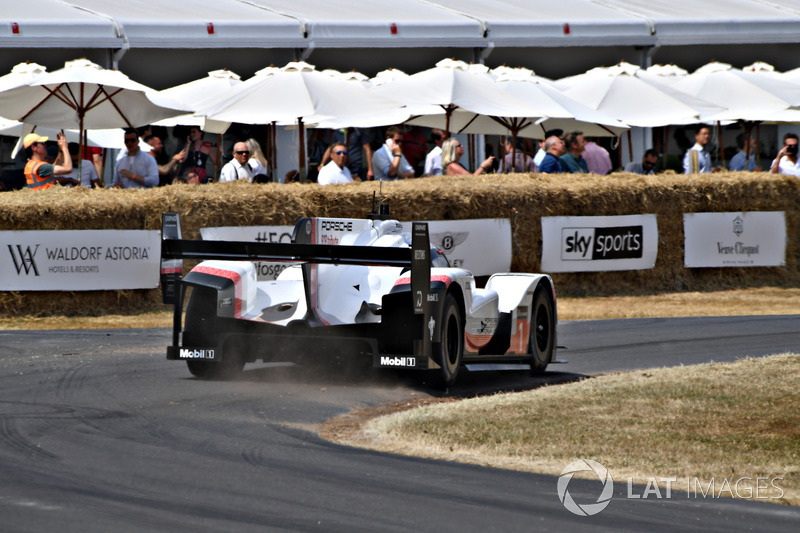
[38, 172]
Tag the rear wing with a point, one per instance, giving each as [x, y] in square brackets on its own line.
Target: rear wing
[417, 258]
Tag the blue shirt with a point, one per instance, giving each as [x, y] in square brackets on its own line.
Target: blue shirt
[573, 164]
[703, 160]
[382, 160]
[737, 161]
[550, 164]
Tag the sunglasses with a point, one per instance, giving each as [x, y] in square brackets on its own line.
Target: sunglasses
[341, 152]
[130, 141]
[242, 152]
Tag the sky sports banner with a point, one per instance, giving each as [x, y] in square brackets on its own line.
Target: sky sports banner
[597, 244]
[80, 260]
[482, 246]
[734, 239]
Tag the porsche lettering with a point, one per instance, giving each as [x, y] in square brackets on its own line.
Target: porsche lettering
[336, 225]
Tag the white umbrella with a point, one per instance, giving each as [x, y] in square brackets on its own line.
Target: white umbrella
[450, 97]
[21, 74]
[620, 93]
[573, 115]
[664, 74]
[109, 138]
[387, 76]
[300, 94]
[748, 96]
[193, 95]
[82, 95]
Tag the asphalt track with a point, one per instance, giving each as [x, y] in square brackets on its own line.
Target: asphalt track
[98, 432]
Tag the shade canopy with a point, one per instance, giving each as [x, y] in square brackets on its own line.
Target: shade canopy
[750, 96]
[82, 95]
[620, 93]
[299, 91]
[194, 95]
[450, 97]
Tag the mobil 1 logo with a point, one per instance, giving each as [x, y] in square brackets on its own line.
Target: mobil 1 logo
[591, 244]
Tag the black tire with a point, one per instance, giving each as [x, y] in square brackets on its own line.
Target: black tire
[543, 333]
[201, 329]
[449, 351]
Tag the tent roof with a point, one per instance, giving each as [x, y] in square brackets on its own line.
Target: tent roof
[120, 24]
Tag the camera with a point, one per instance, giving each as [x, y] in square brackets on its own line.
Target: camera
[791, 149]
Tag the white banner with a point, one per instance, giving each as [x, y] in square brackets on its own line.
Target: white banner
[266, 270]
[80, 260]
[734, 239]
[481, 246]
[598, 244]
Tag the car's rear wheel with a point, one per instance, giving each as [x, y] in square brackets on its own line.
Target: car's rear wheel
[543, 332]
[201, 330]
[449, 351]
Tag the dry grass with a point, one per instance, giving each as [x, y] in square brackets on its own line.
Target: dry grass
[737, 302]
[756, 301]
[723, 421]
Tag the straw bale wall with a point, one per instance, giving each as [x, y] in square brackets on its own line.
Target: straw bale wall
[522, 198]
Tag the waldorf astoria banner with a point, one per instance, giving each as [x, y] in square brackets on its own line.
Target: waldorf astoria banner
[80, 260]
[743, 239]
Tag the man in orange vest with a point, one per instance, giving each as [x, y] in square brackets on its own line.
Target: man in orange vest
[38, 173]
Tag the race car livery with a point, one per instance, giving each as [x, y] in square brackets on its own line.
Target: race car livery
[359, 288]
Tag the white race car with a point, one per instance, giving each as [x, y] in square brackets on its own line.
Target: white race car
[363, 288]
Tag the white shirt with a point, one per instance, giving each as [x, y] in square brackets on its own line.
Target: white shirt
[787, 167]
[233, 171]
[539, 157]
[141, 164]
[257, 167]
[331, 174]
[433, 162]
[88, 174]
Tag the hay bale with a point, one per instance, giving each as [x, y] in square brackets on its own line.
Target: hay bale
[523, 198]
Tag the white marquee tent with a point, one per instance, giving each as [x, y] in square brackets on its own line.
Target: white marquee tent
[121, 31]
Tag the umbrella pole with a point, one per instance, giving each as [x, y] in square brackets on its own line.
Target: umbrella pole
[471, 144]
[721, 149]
[630, 146]
[514, 152]
[219, 155]
[302, 154]
[758, 144]
[666, 146]
[81, 147]
[274, 129]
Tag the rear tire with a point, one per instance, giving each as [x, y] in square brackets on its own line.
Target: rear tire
[543, 333]
[201, 330]
[449, 351]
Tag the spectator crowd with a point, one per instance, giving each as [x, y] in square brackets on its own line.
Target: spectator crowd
[152, 158]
